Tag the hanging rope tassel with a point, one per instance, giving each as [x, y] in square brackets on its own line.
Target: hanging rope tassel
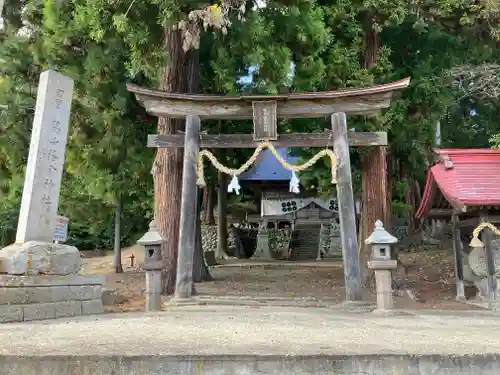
[294, 183]
[200, 172]
[476, 242]
[234, 185]
[201, 180]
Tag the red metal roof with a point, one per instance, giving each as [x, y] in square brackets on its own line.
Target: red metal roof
[465, 178]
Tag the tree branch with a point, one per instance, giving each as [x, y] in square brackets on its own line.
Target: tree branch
[214, 16]
[482, 81]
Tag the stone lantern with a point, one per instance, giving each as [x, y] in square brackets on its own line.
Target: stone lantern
[382, 264]
[153, 265]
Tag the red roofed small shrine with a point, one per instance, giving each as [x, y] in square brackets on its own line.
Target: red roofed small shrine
[465, 185]
[464, 178]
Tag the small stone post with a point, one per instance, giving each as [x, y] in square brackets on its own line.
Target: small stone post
[263, 251]
[382, 264]
[153, 265]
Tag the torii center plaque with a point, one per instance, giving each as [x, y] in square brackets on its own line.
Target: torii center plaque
[265, 120]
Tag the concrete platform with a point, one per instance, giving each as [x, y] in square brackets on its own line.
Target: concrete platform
[27, 298]
[227, 340]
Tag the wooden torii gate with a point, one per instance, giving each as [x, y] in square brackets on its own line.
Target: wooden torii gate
[265, 110]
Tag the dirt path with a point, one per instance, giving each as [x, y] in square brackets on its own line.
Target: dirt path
[431, 275]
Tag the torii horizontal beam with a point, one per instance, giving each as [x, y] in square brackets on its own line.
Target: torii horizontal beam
[366, 101]
[320, 140]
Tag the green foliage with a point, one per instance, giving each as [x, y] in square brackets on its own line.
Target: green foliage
[399, 206]
[9, 209]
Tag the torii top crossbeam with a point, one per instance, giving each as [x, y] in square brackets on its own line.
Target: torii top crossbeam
[366, 100]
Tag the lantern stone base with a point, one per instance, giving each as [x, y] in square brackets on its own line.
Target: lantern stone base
[27, 298]
[153, 290]
[383, 280]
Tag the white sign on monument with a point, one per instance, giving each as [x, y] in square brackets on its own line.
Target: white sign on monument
[61, 229]
[42, 185]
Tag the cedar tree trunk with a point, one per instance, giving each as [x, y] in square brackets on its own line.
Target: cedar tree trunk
[179, 75]
[374, 171]
[200, 269]
[209, 208]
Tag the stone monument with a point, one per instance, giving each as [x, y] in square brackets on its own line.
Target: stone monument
[38, 277]
[37, 216]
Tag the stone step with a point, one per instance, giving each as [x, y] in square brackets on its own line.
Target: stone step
[305, 246]
[260, 301]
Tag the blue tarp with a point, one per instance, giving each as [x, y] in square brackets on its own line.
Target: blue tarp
[268, 168]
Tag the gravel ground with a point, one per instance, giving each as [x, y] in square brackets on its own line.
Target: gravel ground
[430, 275]
[222, 330]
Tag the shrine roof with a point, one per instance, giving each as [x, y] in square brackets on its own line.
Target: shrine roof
[294, 105]
[268, 168]
[465, 178]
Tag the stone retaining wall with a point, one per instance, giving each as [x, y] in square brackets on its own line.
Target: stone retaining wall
[331, 245]
[330, 238]
[26, 298]
[209, 237]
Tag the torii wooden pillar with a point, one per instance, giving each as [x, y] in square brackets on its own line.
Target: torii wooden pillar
[265, 110]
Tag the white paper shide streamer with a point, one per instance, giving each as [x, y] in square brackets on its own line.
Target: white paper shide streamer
[294, 183]
[234, 185]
